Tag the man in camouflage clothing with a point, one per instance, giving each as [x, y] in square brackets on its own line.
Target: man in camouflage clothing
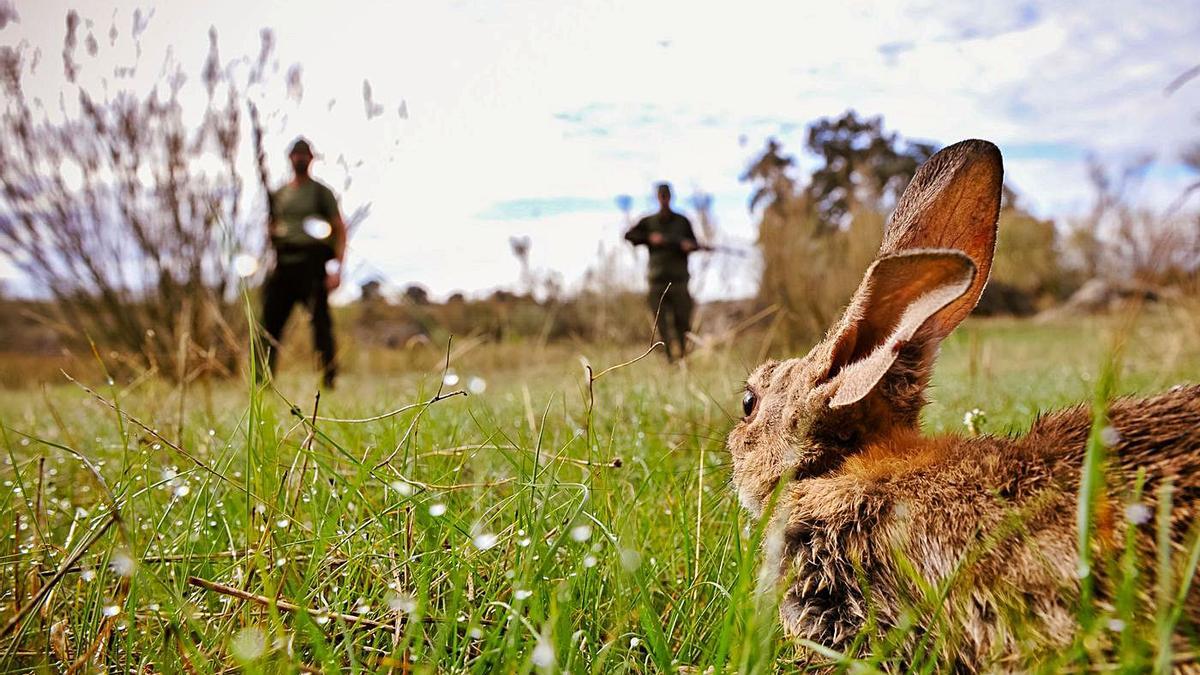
[308, 235]
[669, 237]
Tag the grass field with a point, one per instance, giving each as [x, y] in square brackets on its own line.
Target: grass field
[525, 527]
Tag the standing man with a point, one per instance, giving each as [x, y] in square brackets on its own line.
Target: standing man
[308, 235]
[669, 237]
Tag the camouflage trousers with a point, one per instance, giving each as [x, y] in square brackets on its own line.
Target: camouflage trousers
[673, 306]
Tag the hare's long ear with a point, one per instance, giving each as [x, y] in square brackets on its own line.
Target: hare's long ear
[931, 270]
[953, 202]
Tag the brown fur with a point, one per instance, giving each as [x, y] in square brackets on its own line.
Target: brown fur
[865, 491]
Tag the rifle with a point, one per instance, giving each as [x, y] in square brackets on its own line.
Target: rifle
[728, 250]
[260, 158]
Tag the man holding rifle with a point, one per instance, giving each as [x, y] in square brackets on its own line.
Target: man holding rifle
[669, 237]
[308, 236]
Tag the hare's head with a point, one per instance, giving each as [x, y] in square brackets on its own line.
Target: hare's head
[864, 383]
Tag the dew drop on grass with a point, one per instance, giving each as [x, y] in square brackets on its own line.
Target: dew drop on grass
[475, 633]
[282, 523]
[476, 385]
[1138, 514]
[450, 379]
[484, 540]
[249, 644]
[589, 561]
[1116, 625]
[111, 610]
[630, 559]
[122, 564]
[245, 265]
[402, 487]
[543, 654]
[522, 594]
[1109, 436]
[437, 509]
[182, 490]
[402, 602]
[581, 532]
[88, 575]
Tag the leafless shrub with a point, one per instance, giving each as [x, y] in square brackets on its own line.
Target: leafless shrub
[126, 208]
[1120, 238]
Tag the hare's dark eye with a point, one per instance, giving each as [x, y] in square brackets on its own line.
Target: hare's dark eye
[749, 401]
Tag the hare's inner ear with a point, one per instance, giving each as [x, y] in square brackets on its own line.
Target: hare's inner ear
[891, 310]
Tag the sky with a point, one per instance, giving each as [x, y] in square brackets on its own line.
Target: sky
[529, 118]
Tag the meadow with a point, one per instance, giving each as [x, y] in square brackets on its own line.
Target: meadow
[546, 519]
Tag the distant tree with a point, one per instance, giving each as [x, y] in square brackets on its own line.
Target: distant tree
[770, 175]
[417, 294]
[861, 165]
[372, 291]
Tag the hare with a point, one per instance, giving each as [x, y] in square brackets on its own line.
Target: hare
[864, 490]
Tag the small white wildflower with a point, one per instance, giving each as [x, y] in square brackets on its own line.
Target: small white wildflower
[437, 509]
[122, 564]
[402, 487]
[111, 610]
[476, 385]
[543, 654]
[974, 420]
[245, 265]
[484, 540]
[522, 594]
[589, 561]
[1138, 514]
[249, 644]
[581, 532]
[402, 602]
[1109, 436]
[634, 642]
